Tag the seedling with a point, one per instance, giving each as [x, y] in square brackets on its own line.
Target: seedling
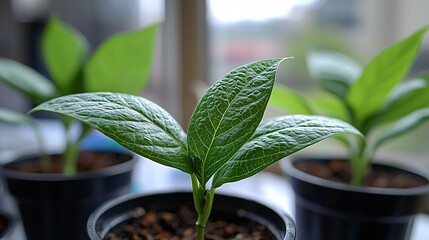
[224, 142]
[372, 98]
[122, 63]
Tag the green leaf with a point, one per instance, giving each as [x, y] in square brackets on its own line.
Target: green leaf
[276, 139]
[138, 124]
[405, 99]
[26, 80]
[289, 100]
[64, 51]
[333, 71]
[228, 114]
[122, 63]
[405, 89]
[330, 105]
[368, 94]
[402, 126]
[12, 117]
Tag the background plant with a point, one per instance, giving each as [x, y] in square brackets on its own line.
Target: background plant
[122, 63]
[374, 98]
[225, 142]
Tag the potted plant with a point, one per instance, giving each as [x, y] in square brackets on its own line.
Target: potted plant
[361, 198]
[56, 196]
[171, 215]
[224, 142]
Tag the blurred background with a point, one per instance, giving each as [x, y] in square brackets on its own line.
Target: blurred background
[199, 41]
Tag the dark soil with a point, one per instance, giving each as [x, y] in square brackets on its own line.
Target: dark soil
[179, 225]
[87, 161]
[340, 171]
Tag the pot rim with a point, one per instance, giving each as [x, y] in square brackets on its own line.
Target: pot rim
[7, 172]
[96, 214]
[286, 165]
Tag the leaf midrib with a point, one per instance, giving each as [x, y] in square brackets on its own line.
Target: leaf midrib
[312, 140]
[223, 116]
[299, 126]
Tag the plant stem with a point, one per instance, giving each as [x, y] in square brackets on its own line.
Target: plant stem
[203, 201]
[359, 160]
[196, 193]
[358, 175]
[70, 156]
[200, 231]
[204, 216]
[72, 151]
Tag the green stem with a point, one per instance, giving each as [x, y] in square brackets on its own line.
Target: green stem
[204, 216]
[358, 175]
[72, 151]
[360, 160]
[196, 193]
[200, 231]
[70, 157]
[203, 201]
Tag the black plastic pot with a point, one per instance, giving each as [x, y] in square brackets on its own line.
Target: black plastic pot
[326, 210]
[55, 206]
[9, 223]
[116, 212]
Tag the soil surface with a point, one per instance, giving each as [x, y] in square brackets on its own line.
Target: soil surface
[87, 161]
[340, 171]
[179, 225]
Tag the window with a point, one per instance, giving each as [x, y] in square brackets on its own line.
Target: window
[241, 31]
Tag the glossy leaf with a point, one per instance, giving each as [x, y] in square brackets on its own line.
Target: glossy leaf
[289, 101]
[228, 114]
[331, 106]
[64, 51]
[407, 98]
[122, 63]
[333, 71]
[26, 80]
[402, 126]
[276, 139]
[136, 123]
[405, 89]
[368, 94]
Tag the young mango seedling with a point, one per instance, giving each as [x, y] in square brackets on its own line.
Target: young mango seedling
[225, 140]
[373, 98]
[122, 63]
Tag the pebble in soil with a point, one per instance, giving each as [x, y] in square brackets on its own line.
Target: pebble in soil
[165, 225]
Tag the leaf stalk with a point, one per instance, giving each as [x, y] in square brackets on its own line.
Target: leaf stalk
[203, 201]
